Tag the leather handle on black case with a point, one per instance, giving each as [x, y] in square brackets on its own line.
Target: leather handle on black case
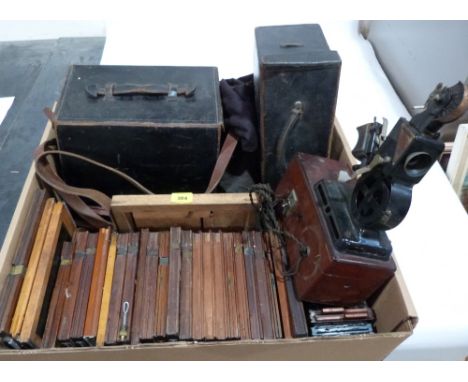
[295, 115]
[112, 90]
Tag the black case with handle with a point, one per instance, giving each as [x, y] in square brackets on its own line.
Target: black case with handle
[297, 77]
[160, 125]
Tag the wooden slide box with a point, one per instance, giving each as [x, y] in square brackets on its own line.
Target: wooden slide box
[395, 313]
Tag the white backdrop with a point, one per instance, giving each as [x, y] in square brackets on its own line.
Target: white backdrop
[44, 30]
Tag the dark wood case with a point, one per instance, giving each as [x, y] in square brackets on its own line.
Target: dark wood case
[295, 65]
[327, 275]
[160, 125]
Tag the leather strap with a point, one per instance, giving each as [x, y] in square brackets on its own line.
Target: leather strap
[97, 216]
[100, 216]
[222, 162]
[225, 155]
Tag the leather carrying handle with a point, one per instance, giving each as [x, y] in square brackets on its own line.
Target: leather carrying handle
[295, 116]
[113, 90]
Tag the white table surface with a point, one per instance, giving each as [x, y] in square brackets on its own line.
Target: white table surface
[430, 244]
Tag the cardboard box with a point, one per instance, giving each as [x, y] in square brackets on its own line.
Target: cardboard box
[396, 316]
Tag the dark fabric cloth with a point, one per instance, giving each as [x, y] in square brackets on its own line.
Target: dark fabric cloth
[240, 118]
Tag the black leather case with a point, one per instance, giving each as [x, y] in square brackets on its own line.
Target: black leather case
[160, 125]
[296, 88]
